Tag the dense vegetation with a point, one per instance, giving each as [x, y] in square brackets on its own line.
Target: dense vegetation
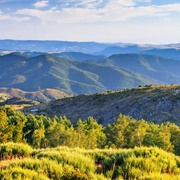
[86, 149]
[20, 161]
[124, 132]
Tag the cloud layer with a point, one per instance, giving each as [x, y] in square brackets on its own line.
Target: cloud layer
[104, 20]
[74, 11]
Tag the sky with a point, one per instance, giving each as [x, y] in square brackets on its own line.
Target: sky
[129, 21]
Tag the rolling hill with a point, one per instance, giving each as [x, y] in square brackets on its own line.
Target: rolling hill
[168, 51]
[157, 67]
[73, 77]
[44, 95]
[152, 103]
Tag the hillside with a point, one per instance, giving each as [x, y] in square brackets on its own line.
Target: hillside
[44, 95]
[73, 77]
[157, 67]
[78, 56]
[153, 103]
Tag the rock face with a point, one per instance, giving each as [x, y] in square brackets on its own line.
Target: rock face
[152, 103]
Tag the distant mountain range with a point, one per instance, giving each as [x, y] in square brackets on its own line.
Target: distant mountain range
[167, 51]
[35, 47]
[86, 67]
[86, 77]
[51, 46]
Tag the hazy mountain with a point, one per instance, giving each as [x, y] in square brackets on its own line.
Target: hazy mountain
[153, 103]
[52, 46]
[35, 47]
[78, 56]
[168, 51]
[47, 71]
[160, 68]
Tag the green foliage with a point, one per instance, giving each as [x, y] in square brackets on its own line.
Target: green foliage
[64, 163]
[5, 130]
[10, 149]
[83, 163]
[90, 134]
[137, 163]
[124, 132]
[127, 132]
[18, 173]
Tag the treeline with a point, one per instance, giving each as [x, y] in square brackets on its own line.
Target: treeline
[125, 132]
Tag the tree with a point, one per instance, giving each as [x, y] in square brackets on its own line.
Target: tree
[5, 130]
[90, 134]
[17, 120]
[115, 131]
[34, 130]
[158, 135]
[134, 133]
[175, 136]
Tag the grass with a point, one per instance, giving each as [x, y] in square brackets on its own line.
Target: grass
[99, 164]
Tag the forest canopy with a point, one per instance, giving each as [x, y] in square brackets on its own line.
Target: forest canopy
[125, 132]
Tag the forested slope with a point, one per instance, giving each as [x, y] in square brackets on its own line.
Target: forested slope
[86, 76]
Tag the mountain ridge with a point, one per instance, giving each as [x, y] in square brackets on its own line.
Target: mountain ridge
[73, 77]
[152, 103]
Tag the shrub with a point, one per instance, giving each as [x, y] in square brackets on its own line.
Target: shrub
[18, 173]
[10, 149]
[79, 161]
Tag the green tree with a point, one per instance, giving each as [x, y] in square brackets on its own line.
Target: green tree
[175, 136]
[34, 130]
[90, 134]
[134, 133]
[5, 130]
[17, 120]
[158, 135]
[115, 131]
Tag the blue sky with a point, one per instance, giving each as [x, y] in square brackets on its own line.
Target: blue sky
[136, 21]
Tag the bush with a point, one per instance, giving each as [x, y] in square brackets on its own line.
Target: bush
[17, 173]
[10, 150]
[78, 161]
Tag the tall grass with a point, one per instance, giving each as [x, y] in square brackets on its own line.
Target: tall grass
[18, 173]
[77, 160]
[63, 163]
[9, 150]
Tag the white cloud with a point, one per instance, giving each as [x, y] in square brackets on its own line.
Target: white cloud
[114, 11]
[8, 17]
[121, 3]
[21, 19]
[41, 4]
[148, 1]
